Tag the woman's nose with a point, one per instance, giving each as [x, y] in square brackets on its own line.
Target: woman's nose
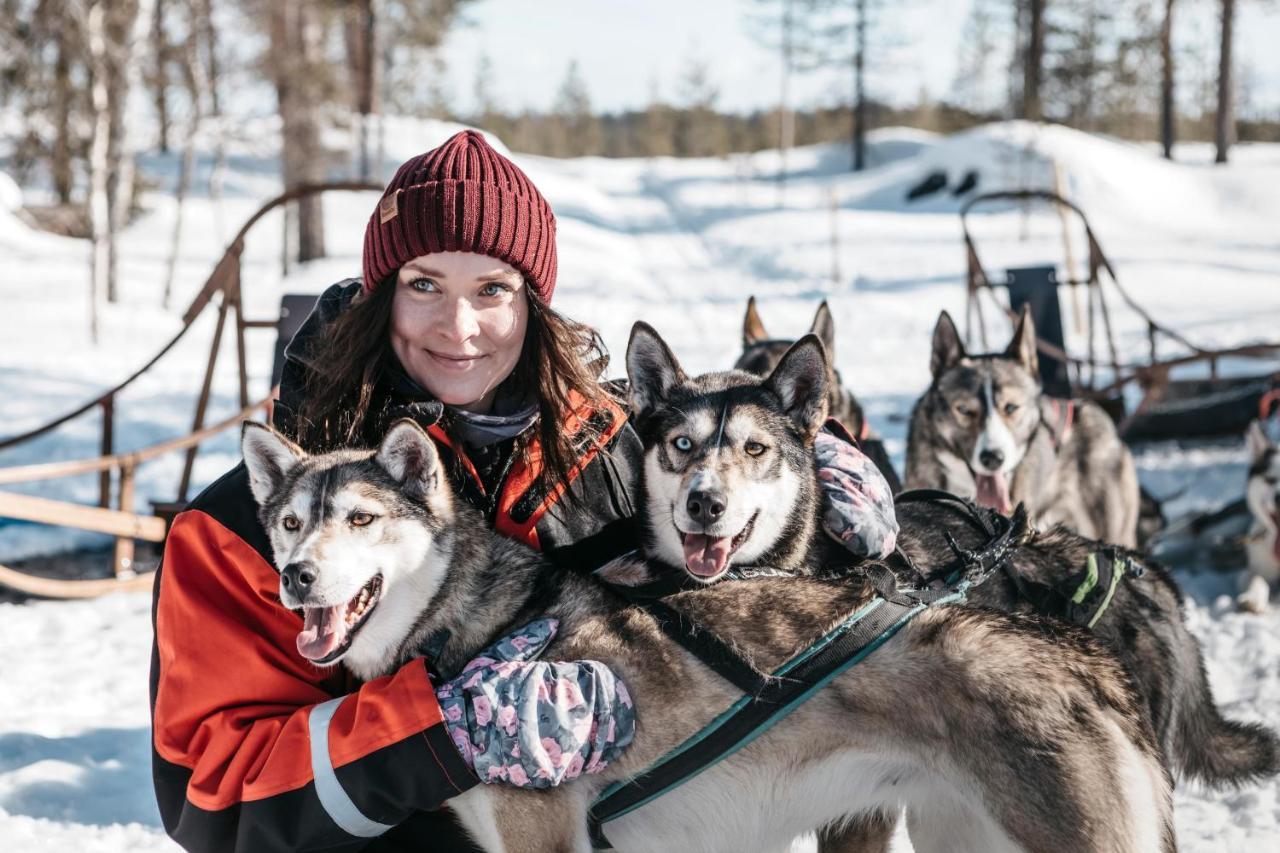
[459, 321]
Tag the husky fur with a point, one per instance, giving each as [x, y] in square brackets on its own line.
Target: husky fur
[1144, 624]
[984, 430]
[1262, 543]
[761, 354]
[996, 732]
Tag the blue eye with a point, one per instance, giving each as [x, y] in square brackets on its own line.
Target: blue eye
[682, 443]
[494, 288]
[424, 285]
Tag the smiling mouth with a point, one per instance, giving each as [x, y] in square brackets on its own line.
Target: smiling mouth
[454, 361]
[706, 557]
[327, 632]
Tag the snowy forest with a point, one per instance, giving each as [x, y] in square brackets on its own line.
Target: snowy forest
[181, 181]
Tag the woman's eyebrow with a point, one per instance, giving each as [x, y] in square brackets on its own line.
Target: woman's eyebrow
[419, 268]
[504, 275]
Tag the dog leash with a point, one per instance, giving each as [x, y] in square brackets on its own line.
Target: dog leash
[778, 694]
[768, 697]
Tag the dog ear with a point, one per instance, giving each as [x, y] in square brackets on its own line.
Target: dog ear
[752, 328]
[825, 328]
[800, 381]
[652, 369]
[947, 346]
[409, 456]
[1023, 346]
[268, 455]
[1257, 441]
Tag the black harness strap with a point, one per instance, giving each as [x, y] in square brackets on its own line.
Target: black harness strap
[727, 661]
[771, 696]
[794, 682]
[1004, 534]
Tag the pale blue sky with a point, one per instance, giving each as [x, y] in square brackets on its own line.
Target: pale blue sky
[623, 48]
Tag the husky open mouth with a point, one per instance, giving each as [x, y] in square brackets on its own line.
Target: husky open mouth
[993, 491]
[327, 632]
[706, 557]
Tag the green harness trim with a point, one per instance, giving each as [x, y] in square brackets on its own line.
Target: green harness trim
[1119, 567]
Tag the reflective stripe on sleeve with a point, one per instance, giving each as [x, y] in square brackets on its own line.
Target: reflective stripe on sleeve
[330, 791]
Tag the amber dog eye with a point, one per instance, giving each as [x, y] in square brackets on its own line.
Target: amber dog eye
[291, 523]
[754, 448]
[361, 519]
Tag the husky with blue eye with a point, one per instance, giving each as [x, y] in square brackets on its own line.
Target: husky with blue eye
[995, 732]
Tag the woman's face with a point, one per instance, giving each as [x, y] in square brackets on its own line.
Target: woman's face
[457, 325]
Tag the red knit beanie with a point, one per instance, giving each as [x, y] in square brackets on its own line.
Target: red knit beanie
[462, 197]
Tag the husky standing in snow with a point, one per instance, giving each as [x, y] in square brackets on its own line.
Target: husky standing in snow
[984, 430]
[1262, 544]
[998, 733]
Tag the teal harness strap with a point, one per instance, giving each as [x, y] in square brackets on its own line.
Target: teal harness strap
[850, 642]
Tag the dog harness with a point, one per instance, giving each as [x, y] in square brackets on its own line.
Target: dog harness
[1082, 598]
[769, 697]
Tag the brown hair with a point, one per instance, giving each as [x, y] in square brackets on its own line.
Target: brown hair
[562, 360]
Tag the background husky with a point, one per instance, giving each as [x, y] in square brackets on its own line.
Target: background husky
[1262, 544]
[972, 719]
[991, 405]
[983, 430]
[761, 354]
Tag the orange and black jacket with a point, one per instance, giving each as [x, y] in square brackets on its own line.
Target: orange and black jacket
[255, 749]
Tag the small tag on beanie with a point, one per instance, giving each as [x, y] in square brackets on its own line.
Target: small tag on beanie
[389, 207]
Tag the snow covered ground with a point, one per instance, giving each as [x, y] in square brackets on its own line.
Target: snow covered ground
[681, 244]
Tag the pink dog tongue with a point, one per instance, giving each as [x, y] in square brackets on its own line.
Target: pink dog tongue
[705, 556]
[993, 491]
[323, 630]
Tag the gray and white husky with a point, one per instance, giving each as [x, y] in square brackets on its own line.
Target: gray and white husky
[1262, 543]
[984, 430]
[996, 732]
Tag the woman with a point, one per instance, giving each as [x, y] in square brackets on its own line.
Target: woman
[257, 749]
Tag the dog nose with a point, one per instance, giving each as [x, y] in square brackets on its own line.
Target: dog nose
[705, 506]
[991, 459]
[298, 578]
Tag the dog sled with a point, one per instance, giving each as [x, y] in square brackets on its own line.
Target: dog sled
[1169, 407]
[115, 514]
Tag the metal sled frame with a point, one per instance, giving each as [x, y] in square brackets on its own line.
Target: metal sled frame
[116, 470]
[1088, 381]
